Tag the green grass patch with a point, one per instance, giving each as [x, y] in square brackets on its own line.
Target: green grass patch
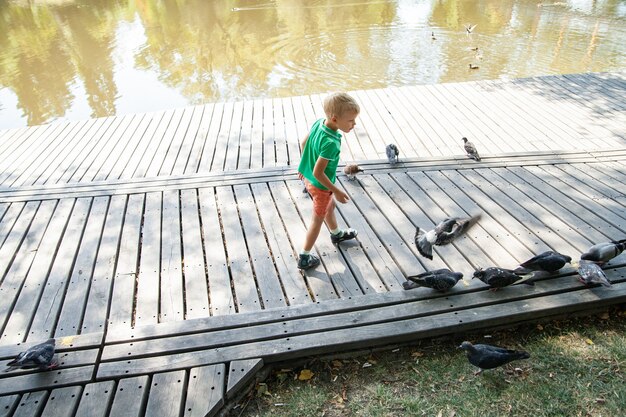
[576, 369]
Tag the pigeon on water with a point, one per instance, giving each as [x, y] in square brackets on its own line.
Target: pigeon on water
[469, 28]
[489, 357]
[591, 273]
[499, 277]
[40, 356]
[470, 149]
[445, 232]
[439, 279]
[351, 170]
[604, 252]
[392, 152]
[548, 261]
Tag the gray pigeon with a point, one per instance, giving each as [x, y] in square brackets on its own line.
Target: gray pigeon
[489, 357]
[445, 232]
[549, 261]
[498, 278]
[392, 152]
[591, 273]
[439, 279]
[604, 252]
[39, 356]
[351, 170]
[470, 149]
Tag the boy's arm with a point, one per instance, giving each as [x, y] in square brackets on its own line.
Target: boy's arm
[303, 143]
[320, 175]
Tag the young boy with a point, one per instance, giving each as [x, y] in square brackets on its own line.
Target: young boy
[318, 166]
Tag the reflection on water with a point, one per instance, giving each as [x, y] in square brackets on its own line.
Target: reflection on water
[93, 58]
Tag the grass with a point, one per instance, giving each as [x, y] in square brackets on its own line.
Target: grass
[576, 369]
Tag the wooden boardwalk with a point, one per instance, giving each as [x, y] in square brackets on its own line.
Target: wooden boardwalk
[160, 249]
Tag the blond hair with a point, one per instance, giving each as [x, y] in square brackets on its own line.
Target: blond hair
[337, 104]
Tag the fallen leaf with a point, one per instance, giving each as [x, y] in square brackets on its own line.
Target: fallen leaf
[305, 375]
[337, 364]
[539, 327]
[589, 341]
[600, 400]
[367, 365]
[604, 316]
[417, 354]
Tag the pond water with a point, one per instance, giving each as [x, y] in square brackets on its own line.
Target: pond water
[92, 58]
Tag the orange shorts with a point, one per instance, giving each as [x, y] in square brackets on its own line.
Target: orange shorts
[322, 199]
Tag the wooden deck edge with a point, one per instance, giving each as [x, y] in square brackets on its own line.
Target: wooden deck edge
[329, 307]
[143, 185]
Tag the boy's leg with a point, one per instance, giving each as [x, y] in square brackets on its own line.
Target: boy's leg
[313, 232]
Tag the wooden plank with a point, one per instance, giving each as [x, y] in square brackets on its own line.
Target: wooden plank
[121, 306]
[14, 279]
[291, 133]
[62, 402]
[245, 136]
[559, 205]
[68, 343]
[31, 404]
[256, 150]
[153, 139]
[206, 158]
[48, 157]
[238, 259]
[68, 164]
[269, 139]
[130, 397]
[46, 379]
[267, 281]
[200, 138]
[77, 290]
[148, 282]
[149, 134]
[65, 359]
[283, 253]
[96, 399]
[321, 287]
[134, 146]
[196, 287]
[186, 128]
[96, 310]
[102, 170]
[240, 373]
[375, 330]
[231, 148]
[172, 288]
[8, 404]
[217, 157]
[13, 227]
[280, 139]
[160, 153]
[166, 394]
[205, 391]
[38, 283]
[221, 297]
[98, 155]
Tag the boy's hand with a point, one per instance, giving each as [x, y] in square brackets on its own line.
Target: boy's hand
[341, 197]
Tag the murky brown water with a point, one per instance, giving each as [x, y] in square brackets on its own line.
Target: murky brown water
[92, 58]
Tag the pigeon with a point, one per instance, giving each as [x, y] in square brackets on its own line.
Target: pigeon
[470, 149]
[432, 36]
[591, 273]
[392, 152]
[473, 66]
[547, 261]
[39, 356]
[439, 279]
[499, 277]
[604, 252]
[469, 28]
[351, 170]
[445, 232]
[489, 357]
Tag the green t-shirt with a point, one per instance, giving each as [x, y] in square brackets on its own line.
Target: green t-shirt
[325, 143]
